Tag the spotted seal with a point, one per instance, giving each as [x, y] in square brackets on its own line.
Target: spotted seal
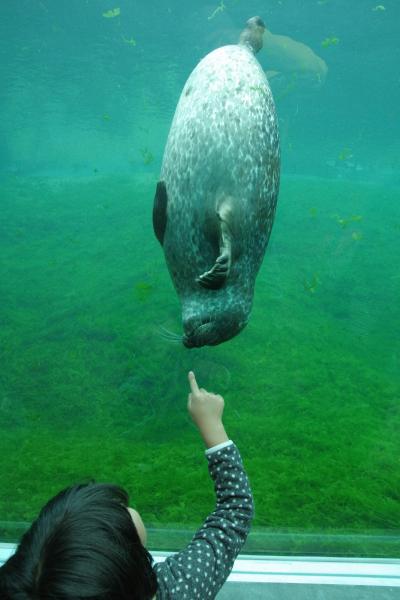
[215, 201]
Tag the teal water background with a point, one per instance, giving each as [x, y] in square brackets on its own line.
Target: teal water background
[88, 387]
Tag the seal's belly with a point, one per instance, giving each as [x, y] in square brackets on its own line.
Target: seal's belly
[225, 118]
[224, 138]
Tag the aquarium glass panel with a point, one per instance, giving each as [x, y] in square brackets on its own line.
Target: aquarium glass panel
[93, 371]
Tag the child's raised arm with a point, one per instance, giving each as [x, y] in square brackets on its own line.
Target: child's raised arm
[200, 569]
[206, 411]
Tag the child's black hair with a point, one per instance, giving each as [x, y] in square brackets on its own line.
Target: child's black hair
[83, 545]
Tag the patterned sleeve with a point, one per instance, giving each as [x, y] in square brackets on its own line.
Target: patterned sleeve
[199, 571]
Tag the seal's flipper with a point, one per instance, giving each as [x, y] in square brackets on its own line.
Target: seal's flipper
[160, 211]
[218, 274]
[252, 36]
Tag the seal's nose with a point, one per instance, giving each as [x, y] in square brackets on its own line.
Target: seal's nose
[187, 342]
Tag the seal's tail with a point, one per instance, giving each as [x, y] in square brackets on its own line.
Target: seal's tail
[252, 34]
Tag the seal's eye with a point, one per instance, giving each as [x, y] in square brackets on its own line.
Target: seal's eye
[260, 22]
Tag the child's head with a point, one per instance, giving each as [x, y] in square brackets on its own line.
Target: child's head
[84, 544]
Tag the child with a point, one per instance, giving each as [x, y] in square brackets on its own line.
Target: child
[85, 544]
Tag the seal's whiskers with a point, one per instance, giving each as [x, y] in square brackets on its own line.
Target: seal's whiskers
[169, 335]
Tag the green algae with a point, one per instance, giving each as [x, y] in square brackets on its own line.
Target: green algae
[89, 388]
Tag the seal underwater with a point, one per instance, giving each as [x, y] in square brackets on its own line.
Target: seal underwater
[215, 201]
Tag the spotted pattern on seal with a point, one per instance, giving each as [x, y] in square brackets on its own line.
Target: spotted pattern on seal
[222, 151]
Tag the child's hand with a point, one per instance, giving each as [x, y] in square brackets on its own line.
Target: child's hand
[206, 411]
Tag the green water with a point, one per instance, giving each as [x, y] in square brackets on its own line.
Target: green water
[90, 389]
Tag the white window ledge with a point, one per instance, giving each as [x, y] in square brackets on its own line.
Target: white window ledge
[298, 570]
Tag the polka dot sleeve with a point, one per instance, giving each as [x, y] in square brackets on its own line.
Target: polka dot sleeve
[199, 571]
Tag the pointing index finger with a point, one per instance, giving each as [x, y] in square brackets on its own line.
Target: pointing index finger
[193, 383]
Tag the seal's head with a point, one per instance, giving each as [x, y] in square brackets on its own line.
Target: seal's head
[211, 333]
[204, 327]
[252, 35]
